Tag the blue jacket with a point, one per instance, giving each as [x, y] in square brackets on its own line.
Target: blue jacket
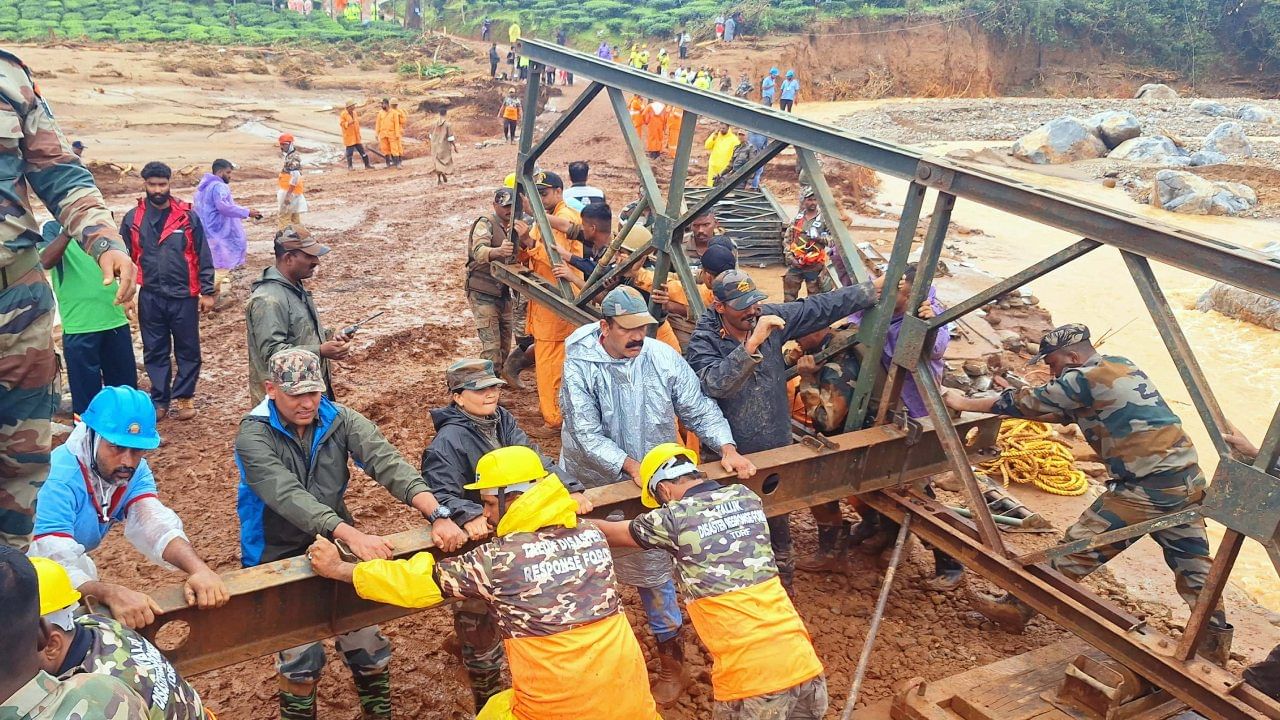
[66, 508]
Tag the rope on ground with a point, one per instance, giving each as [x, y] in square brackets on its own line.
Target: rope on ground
[1029, 453]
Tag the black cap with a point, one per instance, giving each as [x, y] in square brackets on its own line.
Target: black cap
[78, 145]
[548, 179]
[719, 257]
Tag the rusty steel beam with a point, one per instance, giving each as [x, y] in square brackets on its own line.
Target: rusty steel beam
[282, 604]
[1200, 684]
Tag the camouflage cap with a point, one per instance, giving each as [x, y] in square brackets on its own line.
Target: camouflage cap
[736, 289]
[504, 196]
[627, 308]
[1059, 338]
[807, 192]
[471, 374]
[297, 371]
[296, 237]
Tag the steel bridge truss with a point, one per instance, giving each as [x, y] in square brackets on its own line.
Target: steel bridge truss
[282, 604]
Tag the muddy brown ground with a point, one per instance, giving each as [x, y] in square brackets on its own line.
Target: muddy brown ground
[397, 241]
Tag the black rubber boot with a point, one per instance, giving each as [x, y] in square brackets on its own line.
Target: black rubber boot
[1008, 612]
[948, 573]
[833, 545]
[516, 362]
[375, 695]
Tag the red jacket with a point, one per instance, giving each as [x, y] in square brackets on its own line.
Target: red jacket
[173, 259]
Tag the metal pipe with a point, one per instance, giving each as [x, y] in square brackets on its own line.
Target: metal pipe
[876, 617]
[1000, 519]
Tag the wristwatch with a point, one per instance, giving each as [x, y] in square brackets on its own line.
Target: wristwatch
[441, 511]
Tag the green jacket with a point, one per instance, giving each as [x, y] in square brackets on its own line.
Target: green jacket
[281, 315]
[289, 493]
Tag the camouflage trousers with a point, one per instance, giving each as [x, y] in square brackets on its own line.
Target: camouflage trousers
[816, 280]
[27, 369]
[494, 325]
[806, 701]
[520, 315]
[366, 652]
[481, 646]
[1186, 547]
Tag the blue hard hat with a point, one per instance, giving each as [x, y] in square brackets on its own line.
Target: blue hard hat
[123, 416]
[791, 73]
[773, 71]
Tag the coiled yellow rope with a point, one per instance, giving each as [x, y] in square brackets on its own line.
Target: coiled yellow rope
[1030, 453]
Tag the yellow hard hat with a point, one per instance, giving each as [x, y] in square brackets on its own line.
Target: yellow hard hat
[658, 465]
[507, 466]
[510, 181]
[56, 591]
[636, 239]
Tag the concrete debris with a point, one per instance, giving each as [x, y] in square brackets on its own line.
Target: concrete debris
[1115, 126]
[1258, 114]
[1185, 192]
[1156, 91]
[1212, 108]
[1229, 139]
[1147, 149]
[1061, 140]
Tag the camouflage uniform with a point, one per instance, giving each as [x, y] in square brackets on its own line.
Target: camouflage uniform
[481, 647]
[827, 395]
[288, 213]
[81, 697]
[120, 652]
[492, 303]
[806, 254]
[1153, 465]
[366, 652]
[34, 157]
[719, 537]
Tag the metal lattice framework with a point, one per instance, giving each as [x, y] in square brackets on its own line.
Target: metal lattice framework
[281, 604]
[1243, 496]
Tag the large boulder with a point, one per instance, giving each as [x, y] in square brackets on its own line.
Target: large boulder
[1156, 91]
[1115, 126]
[1061, 140]
[1229, 139]
[1212, 108]
[1258, 114]
[1242, 304]
[1148, 149]
[1184, 192]
[1204, 157]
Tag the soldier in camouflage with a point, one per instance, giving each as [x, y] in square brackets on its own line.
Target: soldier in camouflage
[805, 251]
[763, 663]
[492, 303]
[547, 578]
[36, 157]
[291, 200]
[1153, 466]
[26, 691]
[99, 645]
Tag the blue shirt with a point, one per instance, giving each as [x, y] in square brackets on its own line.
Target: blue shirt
[790, 88]
[66, 507]
[767, 86]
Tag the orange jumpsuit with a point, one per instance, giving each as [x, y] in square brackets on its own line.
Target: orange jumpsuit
[654, 119]
[635, 106]
[350, 123]
[385, 126]
[548, 329]
[674, 116]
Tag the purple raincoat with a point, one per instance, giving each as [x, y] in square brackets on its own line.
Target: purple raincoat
[910, 393]
[603, 52]
[221, 219]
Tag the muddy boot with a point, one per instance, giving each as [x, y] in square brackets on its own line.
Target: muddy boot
[1215, 646]
[297, 700]
[516, 362]
[866, 528]
[886, 532]
[672, 678]
[948, 573]
[833, 543]
[185, 409]
[1008, 612]
[375, 695]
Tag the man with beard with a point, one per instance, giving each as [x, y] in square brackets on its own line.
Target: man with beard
[99, 478]
[623, 393]
[805, 250]
[280, 313]
[175, 277]
[736, 350]
[223, 221]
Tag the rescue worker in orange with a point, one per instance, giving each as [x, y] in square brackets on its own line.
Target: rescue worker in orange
[635, 106]
[763, 662]
[402, 121]
[350, 123]
[548, 329]
[674, 116]
[548, 579]
[654, 118]
[385, 128]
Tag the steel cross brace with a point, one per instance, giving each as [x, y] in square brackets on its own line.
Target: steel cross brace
[1194, 252]
[1207, 688]
[283, 604]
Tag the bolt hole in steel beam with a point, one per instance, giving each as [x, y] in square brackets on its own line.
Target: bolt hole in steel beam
[770, 484]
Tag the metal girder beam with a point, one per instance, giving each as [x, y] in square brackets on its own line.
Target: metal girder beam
[520, 279]
[1194, 252]
[283, 604]
[1207, 688]
[1113, 536]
